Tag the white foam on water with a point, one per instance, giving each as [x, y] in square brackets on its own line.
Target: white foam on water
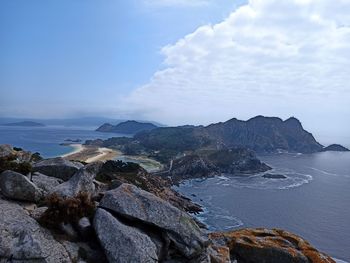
[328, 173]
[293, 179]
[340, 261]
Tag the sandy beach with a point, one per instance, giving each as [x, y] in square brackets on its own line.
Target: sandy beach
[91, 153]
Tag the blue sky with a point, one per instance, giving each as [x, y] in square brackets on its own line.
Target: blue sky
[178, 61]
[87, 52]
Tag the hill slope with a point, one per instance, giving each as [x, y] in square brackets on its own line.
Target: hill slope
[264, 134]
[261, 134]
[127, 127]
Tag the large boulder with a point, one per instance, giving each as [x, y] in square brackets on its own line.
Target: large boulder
[23, 240]
[45, 183]
[133, 203]
[57, 167]
[123, 243]
[81, 181]
[269, 246]
[17, 186]
[6, 150]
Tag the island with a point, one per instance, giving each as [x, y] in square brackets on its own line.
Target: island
[335, 148]
[127, 127]
[274, 176]
[25, 124]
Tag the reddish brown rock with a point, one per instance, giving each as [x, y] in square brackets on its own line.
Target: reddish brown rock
[264, 245]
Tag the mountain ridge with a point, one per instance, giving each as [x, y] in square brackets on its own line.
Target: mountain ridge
[127, 127]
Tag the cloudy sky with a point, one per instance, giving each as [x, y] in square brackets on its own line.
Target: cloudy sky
[178, 61]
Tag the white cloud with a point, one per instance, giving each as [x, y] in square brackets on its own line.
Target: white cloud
[269, 57]
[181, 3]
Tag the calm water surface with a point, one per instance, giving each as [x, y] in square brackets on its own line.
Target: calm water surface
[46, 140]
[313, 202]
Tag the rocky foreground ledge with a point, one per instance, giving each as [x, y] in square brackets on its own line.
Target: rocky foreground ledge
[61, 211]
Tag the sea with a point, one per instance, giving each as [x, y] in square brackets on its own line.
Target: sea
[47, 140]
[313, 201]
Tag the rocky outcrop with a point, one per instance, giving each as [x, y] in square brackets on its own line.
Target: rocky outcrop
[23, 240]
[57, 167]
[273, 246]
[189, 167]
[274, 176]
[335, 148]
[6, 150]
[18, 154]
[81, 181]
[236, 161]
[115, 173]
[133, 203]
[17, 186]
[123, 243]
[45, 183]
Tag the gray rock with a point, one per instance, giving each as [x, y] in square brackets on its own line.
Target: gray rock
[85, 228]
[38, 212]
[123, 243]
[69, 231]
[6, 150]
[82, 252]
[45, 183]
[57, 167]
[72, 250]
[17, 186]
[81, 181]
[134, 203]
[23, 240]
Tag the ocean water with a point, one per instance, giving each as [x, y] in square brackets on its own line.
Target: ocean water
[313, 202]
[47, 140]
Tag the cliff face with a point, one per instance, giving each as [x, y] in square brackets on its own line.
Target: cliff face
[264, 134]
[237, 161]
[261, 134]
[127, 127]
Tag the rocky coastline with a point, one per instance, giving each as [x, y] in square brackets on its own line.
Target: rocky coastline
[58, 210]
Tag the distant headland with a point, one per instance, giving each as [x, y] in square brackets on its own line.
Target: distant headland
[24, 124]
[127, 127]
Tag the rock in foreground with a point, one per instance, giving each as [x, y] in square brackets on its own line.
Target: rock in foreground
[123, 243]
[133, 203]
[17, 186]
[23, 240]
[270, 246]
[57, 167]
[81, 181]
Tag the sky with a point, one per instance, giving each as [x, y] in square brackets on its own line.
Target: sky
[178, 61]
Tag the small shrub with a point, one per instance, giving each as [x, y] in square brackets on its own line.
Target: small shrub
[17, 149]
[111, 169]
[9, 163]
[67, 210]
[36, 157]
